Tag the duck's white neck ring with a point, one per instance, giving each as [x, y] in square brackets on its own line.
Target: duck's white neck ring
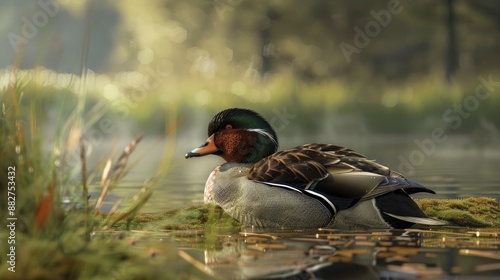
[266, 134]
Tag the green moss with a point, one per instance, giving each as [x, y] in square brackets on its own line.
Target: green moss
[194, 217]
[462, 218]
[469, 212]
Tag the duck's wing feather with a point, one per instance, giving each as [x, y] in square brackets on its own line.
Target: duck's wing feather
[332, 170]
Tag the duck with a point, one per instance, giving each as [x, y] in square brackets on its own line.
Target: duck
[305, 187]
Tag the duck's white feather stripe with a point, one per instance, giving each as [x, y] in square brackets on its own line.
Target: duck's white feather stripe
[266, 134]
[324, 199]
[314, 194]
[418, 220]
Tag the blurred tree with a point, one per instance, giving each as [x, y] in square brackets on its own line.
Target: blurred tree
[250, 40]
[451, 57]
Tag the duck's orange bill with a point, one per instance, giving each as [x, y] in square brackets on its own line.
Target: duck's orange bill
[205, 149]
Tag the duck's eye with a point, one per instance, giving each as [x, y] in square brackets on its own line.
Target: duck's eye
[229, 126]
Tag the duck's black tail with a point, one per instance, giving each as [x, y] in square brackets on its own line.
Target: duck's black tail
[400, 211]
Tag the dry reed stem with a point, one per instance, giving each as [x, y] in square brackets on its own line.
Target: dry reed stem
[85, 195]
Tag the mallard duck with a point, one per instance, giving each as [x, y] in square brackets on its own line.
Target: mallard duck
[309, 186]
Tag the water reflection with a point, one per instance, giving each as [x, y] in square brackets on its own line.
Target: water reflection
[378, 254]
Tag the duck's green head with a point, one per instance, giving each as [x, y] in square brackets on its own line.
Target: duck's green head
[238, 135]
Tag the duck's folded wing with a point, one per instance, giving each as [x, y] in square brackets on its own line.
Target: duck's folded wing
[291, 166]
[333, 171]
[304, 165]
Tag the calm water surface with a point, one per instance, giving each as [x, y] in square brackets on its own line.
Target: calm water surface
[332, 254]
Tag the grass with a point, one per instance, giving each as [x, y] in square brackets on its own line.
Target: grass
[55, 240]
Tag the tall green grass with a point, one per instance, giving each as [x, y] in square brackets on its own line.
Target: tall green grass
[55, 219]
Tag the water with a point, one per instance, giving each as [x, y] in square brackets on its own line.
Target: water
[447, 253]
[332, 254]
